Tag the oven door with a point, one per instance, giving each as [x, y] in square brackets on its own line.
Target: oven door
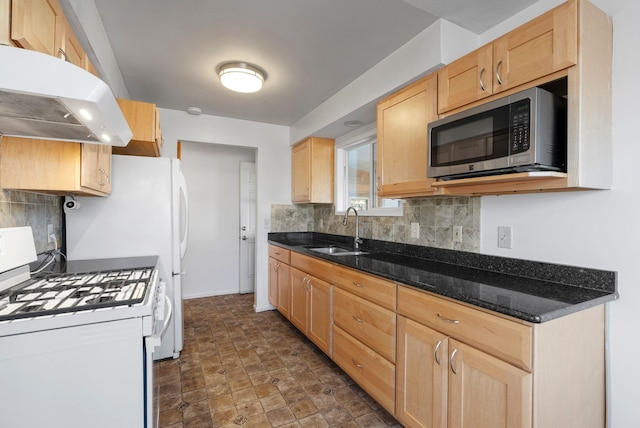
[162, 314]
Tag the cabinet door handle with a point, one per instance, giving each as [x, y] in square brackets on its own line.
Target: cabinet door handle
[276, 267]
[357, 319]
[378, 181]
[453, 354]
[498, 72]
[355, 284]
[435, 351]
[481, 82]
[447, 319]
[357, 364]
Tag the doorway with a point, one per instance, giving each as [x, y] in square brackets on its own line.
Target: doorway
[212, 171]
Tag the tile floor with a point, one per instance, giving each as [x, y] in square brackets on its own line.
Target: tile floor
[241, 368]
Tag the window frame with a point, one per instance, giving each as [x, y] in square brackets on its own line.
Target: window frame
[363, 135]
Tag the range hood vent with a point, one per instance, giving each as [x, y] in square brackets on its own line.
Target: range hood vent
[44, 97]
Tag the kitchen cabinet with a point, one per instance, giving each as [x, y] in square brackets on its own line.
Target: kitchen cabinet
[311, 299]
[55, 167]
[312, 171]
[541, 47]
[144, 121]
[471, 367]
[311, 308]
[38, 25]
[5, 23]
[365, 332]
[567, 51]
[442, 382]
[279, 280]
[402, 140]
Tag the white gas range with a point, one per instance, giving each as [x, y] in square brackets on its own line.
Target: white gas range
[76, 346]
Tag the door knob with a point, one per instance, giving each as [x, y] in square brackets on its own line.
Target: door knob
[244, 238]
[244, 228]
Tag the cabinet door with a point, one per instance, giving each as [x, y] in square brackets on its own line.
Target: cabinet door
[543, 46]
[301, 172]
[38, 25]
[402, 140]
[72, 51]
[284, 290]
[485, 392]
[421, 376]
[274, 268]
[465, 80]
[95, 167]
[320, 298]
[299, 315]
[5, 23]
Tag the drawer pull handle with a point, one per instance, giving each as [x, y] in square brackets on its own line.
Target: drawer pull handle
[435, 351]
[357, 319]
[447, 319]
[357, 364]
[453, 354]
[358, 285]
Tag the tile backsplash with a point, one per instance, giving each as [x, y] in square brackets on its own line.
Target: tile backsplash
[37, 210]
[436, 217]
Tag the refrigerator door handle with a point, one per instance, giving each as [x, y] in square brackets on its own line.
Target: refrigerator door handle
[185, 196]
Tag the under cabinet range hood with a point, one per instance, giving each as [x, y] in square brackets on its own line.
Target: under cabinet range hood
[42, 96]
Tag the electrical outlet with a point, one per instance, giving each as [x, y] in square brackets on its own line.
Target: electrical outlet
[457, 233]
[321, 224]
[415, 230]
[504, 236]
[50, 233]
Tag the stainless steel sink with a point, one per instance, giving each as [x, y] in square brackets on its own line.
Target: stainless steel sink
[337, 251]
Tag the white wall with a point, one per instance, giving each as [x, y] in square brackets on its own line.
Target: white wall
[599, 229]
[273, 166]
[212, 173]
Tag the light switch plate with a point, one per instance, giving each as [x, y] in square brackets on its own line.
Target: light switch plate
[504, 236]
[415, 230]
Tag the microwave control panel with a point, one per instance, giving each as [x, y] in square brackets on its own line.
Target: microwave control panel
[520, 129]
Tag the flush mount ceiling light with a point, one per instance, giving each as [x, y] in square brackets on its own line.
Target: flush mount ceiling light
[241, 77]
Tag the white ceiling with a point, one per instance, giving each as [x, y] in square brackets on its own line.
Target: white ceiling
[168, 50]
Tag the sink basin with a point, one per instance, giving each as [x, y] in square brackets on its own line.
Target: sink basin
[337, 251]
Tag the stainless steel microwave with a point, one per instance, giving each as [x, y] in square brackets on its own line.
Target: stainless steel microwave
[526, 131]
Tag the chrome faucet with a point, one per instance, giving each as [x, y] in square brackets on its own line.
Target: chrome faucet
[356, 239]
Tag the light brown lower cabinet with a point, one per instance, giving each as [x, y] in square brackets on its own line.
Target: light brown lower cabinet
[374, 373]
[311, 307]
[459, 367]
[279, 279]
[442, 383]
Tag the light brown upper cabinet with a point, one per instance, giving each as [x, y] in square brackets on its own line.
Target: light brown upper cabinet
[5, 23]
[144, 121]
[55, 167]
[312, 166]
[402, 140]
[567, 51]
[38, 25]
[538, 48]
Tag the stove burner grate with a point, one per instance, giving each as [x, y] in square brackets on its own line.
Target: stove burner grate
[59, 293]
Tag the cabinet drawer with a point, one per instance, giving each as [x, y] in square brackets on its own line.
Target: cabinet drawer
[371, 371]
[372, 288]
[313, 266]
[279, 253]
[367, 322]
[497, 336]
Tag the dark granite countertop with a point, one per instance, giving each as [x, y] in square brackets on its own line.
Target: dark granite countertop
[528, 290]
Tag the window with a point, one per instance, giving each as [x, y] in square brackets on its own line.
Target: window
[356, 177]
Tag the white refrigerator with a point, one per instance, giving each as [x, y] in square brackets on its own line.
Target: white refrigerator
[146, 214]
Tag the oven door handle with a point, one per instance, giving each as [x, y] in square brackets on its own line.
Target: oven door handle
[167, 320]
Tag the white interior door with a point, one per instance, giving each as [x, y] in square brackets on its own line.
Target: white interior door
[247, 226]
